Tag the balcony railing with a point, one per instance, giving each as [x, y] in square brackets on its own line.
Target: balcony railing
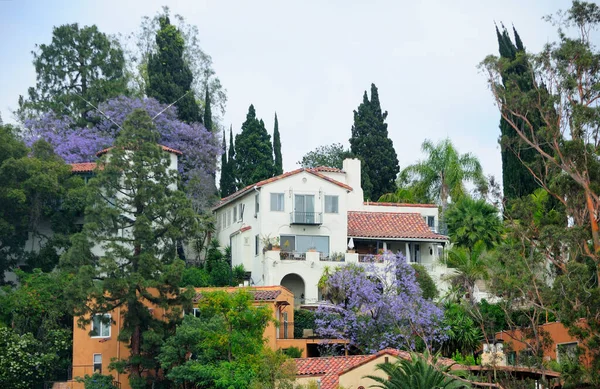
[306, 218]
[370, 258]
[292, 256]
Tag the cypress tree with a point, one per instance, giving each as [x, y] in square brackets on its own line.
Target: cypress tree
[169, 78]
[233, 176]
[208, 114]
[517, 181]
[277, 148]
[224, 166]
[253, 151]
[371, 144]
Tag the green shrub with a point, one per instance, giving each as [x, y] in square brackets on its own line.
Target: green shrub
[196, 277]
[425, 281]
[98, 381]
[293, 352]
[303, 319]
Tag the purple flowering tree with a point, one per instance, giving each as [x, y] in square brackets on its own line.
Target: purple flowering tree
[200, 147]
[378, 306]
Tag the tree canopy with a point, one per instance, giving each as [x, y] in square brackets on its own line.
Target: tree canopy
[80, 65]
[370, 142]
[332, 155]
[169, 77]
[253, 151]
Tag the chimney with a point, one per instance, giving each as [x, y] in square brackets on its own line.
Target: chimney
[351, 167]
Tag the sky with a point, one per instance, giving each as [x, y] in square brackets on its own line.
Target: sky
[311, 61]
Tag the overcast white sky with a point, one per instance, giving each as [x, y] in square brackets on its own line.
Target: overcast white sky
[310, 61]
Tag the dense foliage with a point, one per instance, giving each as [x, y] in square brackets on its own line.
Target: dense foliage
[374, 310]
[370, 142]
[253, 152]
[332, 155]
[470, 221]
[169, 77]
[277, 148]
[81, 68]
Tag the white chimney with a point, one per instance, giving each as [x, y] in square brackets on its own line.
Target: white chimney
[351, 167]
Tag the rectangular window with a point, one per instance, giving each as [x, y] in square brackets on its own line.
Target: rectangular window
[256, 244]
[235, 214]
[98, 363]
[431, 222]
[256, 204]
[566, 352]
[315, 242]
[277, 202]
[101, 326]
[242, 207]
[228, 223]
[331, 204]
[287, 242]
[196, 312]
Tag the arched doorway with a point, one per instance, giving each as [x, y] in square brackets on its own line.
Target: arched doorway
[295, 284]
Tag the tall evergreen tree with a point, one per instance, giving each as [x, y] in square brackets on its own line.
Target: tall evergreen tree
[208, 114]
[253, 151]
[138, 222]
[277, 148]
[169, 77]
[370, 143]
[224, 168]
[517, 181]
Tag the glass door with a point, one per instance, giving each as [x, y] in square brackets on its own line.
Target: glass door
[304, 209]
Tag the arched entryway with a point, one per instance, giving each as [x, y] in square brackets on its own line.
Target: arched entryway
[296, 285]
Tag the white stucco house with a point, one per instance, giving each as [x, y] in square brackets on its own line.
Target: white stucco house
[314, 214]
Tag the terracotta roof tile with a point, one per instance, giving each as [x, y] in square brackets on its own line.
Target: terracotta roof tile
[389, 225]
[329, 369]
[259, 184]
[84, 167]
[401, 205]
[165, 148]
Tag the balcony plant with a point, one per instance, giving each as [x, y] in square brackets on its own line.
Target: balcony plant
[312, 249]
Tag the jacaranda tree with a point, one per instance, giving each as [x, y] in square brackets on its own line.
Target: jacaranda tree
[200, 147]
[376, 306]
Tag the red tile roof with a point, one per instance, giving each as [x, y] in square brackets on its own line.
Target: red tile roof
[329, 369]
[401, 205]
[165, 148]
[259, 184]
[84, 167]
[389, 225]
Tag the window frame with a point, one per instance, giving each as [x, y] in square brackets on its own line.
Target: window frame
[280, 195]
[337, 204]
[102, 325]
[559, 345]
[256, 245]
[94, 363]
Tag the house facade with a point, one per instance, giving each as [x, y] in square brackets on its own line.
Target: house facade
[318, 219]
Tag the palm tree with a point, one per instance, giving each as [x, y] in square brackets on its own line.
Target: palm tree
[469, 266]
[470, 221]
[416, 373]
[443, 174]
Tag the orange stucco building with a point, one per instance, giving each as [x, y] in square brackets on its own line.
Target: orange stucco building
[95, 345]
[560, 344]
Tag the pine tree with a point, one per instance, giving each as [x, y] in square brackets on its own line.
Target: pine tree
[517, 181]
[138, 221]
[370, 143]
[253, 151]
[277, 148]
[169, 78]
[208, 114]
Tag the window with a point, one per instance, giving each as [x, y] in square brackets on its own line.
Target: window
[242, 207]
[196, 312]
[567, 352]
[430, 220]
[256, 243]
[98, 363]
[331, 204]
[235, 214]
[101, 326]
[277, 202]
[511, 358]
[228, 222]
[307, 242]
[256, 204]
[287, 242]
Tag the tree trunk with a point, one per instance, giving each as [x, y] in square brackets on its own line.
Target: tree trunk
[595, 234]
[135, 370]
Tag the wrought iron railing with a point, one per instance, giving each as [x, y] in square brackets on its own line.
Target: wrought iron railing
[306, 218]
[292, 256]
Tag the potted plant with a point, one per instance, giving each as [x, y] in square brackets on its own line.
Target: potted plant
[312, 249]
[276, 246]
[266, 242]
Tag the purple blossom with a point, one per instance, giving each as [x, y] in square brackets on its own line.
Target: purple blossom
[199, 146]
[376, 306]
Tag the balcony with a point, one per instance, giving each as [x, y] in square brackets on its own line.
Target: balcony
[306, 218]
